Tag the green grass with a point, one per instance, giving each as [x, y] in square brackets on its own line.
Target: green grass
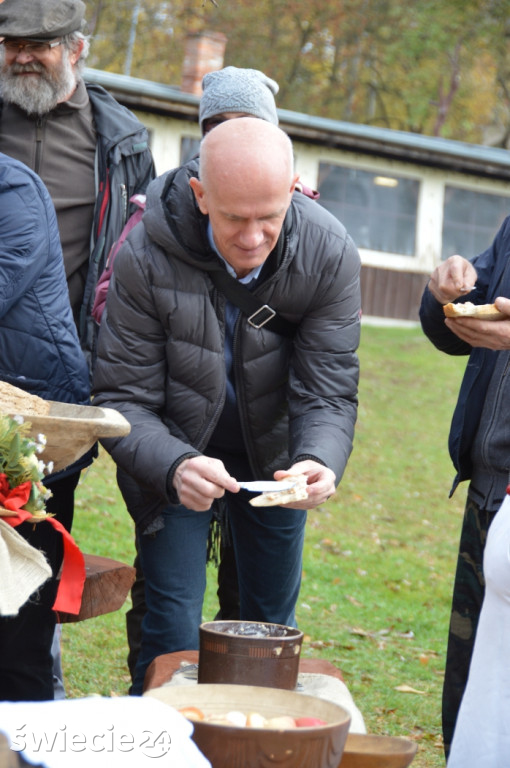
[379, 557]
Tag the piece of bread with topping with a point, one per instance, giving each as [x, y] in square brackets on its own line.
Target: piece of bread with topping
[467, 309]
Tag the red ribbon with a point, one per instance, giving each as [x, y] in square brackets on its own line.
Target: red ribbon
[72, 579]
[15, 498]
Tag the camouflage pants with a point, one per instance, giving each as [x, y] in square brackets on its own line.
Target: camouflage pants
[468, 592]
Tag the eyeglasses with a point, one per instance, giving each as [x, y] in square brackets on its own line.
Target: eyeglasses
[33, 49]
[212, 122]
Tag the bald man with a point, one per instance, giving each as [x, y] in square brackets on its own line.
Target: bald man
[218, 393]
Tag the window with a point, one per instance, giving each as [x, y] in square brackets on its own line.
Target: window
[470, 221]
[379, 210]
[189, 148]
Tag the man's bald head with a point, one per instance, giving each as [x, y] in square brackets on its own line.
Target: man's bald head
[248, 146]
[245, 187]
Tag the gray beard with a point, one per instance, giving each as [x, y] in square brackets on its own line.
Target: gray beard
[37, 96]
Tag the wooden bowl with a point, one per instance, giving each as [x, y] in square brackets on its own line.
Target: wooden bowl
[369, 751]
[236, 747]
[71, 430]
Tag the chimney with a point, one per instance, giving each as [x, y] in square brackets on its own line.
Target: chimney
[204, 52]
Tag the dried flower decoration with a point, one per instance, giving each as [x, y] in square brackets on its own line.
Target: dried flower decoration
[21, 471]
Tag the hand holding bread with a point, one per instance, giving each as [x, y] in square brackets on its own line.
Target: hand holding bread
[320, 483]
[475, 325]
[456, 277]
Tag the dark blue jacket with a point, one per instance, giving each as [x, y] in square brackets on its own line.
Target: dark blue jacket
[39, 347]
[493, 270]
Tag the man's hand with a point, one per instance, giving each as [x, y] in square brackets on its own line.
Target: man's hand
[200, 480]
[452, 278]
[320, 483]
[491, 334]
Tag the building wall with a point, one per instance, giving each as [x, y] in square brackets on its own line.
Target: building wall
[392, 283]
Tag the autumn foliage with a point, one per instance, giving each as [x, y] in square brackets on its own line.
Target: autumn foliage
[428, 67]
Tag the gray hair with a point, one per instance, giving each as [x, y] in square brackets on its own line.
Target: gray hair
[72, 41]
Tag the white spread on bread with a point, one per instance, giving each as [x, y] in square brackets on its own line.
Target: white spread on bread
[468, 309]
[298, 492]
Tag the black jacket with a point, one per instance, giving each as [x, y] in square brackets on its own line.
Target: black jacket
[125, 168]
[161, 347]
[493, 280]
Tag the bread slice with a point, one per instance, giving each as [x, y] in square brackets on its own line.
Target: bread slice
[467, 309]
[298, 492]
[15, 401]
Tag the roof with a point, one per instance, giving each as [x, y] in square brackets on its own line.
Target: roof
[157, 98]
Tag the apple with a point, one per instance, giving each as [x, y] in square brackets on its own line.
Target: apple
[309, 722]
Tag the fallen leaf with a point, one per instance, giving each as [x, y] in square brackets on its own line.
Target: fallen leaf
[353, 601]
[361, 632]
[408, 689]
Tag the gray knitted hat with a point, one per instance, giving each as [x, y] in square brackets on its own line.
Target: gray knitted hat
[40, 19]
[238, 90]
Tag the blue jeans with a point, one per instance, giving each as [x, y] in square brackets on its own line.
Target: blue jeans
[268, 543]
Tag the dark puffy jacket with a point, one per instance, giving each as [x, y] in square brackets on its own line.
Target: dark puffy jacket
[493, 280]
[161, 347]
[39, 348]
[125, 168]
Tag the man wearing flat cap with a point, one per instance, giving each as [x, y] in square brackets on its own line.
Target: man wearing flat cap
[61, 127]
[91, 152]
[42, 21]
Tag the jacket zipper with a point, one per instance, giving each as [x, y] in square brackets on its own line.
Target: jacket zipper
[236, 364]
[38, 144]
[123, 196]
